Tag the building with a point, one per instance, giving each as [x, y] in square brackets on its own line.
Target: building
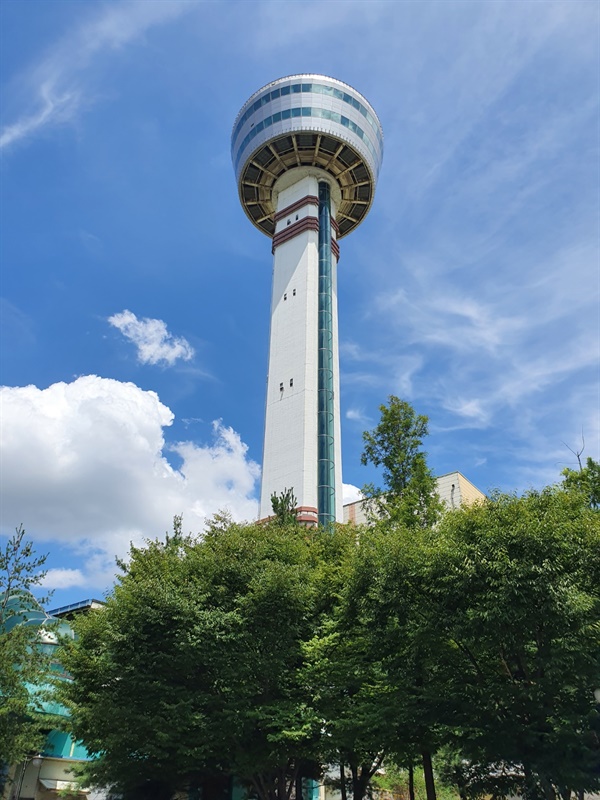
[47, 775]
[307, 150]
[453, 488]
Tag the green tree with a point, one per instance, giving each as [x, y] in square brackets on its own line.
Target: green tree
[193, 669]
[515, 589]
[284, 507]
[408, 495]
[345, 683]
[408, 500]
[20, 671]
[585, 480]
[387, 607]
[486, 628]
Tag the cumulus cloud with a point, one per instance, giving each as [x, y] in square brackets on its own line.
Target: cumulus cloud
[155, 345]
[86, 464]
[63, 578]
[350, 493]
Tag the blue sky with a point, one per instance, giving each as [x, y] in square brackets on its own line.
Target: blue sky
[135, 293]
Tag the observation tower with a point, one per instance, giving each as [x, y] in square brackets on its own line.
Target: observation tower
[306, 151]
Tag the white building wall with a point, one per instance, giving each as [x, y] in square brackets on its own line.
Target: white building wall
[290, 444]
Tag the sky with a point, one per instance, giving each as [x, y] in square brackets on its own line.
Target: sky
[135, 293]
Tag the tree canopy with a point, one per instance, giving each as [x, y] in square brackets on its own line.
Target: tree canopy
[487, 628]
[193, 668]
[468, 643]
[585, 480]
[20, 671]
[408, 495]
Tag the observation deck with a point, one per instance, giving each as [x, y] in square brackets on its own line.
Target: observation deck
[307, 121]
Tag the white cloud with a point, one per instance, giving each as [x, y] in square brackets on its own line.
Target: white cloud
[356, 415]
[54, 89]
[52, 108]
[350, 493]
[63, 579]
[154, 343]
[85, 463]
[471, 409]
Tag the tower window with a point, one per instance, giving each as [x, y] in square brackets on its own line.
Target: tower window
[294, 292]
[296, 216]
[291, 382]
[285, 296]
[281, 387]
[288, 222]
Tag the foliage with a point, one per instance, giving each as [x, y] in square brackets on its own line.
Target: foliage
[516, 587]
[386, 608]
[20, 726]
[409, 493]
[346, 685]
[394, 782]
[585, 480]
[262, 650]
[193, 667]
[488, 629]
[284, 507]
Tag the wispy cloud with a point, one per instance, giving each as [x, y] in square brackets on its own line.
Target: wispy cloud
[357, 415]
[54, 89]
[386, 369]
[455, 320]
[52, 108]
[155, 345]
[470, 409]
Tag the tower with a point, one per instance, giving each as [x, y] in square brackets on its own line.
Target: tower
[306, 151]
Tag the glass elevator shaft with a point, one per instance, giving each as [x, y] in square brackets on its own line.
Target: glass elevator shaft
[325, 424]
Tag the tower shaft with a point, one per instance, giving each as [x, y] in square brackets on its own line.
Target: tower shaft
[302, 422]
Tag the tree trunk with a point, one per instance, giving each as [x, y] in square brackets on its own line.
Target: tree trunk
[411, 782]
[428, 774]
[343, 791]
[360, 779]
[548, 788]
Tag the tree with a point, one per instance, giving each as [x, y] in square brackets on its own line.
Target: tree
[408, 499]
[20, 725]
[409, 493]
[193, 668]
[387, 606]
[284, 507]
[345, 683]
[486, 631]
[585, 480]
[515, 588]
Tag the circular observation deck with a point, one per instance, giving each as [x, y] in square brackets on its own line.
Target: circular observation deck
[307, 121]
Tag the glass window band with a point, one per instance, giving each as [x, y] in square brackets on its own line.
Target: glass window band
[314, 88]
[307, 111]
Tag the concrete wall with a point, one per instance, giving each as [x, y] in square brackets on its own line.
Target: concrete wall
[453, 488]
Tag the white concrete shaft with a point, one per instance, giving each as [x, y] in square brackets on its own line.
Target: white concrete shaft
[290, 443]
